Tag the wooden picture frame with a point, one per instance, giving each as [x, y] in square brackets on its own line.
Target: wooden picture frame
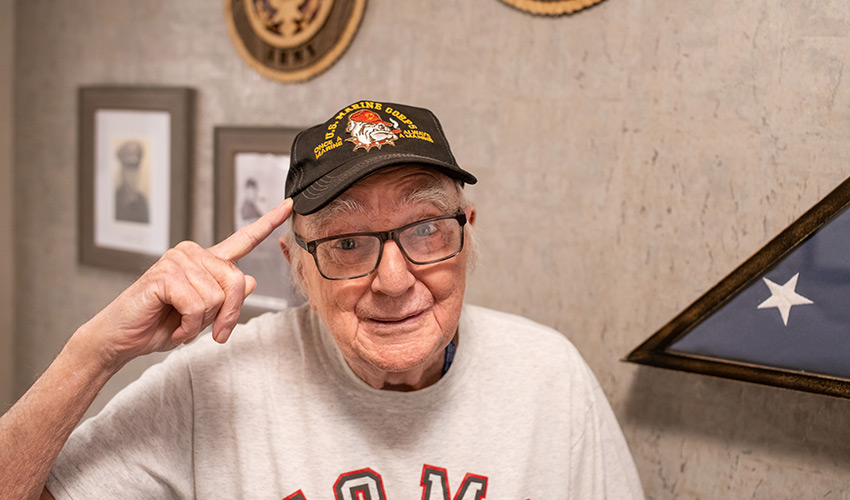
[780, 319]
[135, 158]
[250, 173]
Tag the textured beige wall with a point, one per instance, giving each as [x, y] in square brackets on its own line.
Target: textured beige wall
[7, 30]
[629, 157]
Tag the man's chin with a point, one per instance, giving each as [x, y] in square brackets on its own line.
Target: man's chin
[403, 363]
[398, 362]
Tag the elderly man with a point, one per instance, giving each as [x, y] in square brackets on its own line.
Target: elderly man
[383, 386]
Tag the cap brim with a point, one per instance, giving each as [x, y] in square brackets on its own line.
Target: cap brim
[331, 185]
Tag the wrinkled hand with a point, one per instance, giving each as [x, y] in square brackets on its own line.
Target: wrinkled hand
[185, 291]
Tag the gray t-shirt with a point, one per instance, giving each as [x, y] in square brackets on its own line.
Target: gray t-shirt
[277, 413]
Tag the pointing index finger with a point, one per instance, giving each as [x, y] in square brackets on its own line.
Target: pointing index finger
[240, 243]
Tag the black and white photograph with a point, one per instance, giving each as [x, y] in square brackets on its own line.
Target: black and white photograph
[133, 191]
[132, 180]
[251, 165]
[258, 184]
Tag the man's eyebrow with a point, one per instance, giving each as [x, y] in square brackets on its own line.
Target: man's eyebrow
[433, 193]
[340, 207]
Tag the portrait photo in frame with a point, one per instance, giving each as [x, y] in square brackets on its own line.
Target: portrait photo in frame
[134, 167]
[251, 164]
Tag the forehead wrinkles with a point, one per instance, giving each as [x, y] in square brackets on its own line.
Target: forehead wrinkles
[435, 190]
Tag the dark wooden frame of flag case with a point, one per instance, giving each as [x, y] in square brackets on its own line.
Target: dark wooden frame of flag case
[655, 350]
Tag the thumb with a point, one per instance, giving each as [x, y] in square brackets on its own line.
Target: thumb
[250, 285]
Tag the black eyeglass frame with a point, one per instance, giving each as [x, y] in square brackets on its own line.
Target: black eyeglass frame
[383, 236]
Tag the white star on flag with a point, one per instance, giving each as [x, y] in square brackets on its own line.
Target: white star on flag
[783, 297]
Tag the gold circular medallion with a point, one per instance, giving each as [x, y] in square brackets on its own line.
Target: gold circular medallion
[551, 7]
[292, 40]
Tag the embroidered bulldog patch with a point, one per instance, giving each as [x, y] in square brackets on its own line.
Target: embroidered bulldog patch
[368, 130]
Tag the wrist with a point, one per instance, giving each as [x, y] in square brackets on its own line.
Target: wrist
[87, 347]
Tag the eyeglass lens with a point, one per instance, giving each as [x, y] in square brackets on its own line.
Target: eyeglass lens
[357, 255]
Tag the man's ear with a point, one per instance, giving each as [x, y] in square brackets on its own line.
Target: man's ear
[297, 274]
[284, 247]
[470, 215]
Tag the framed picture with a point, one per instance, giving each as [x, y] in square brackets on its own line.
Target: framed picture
[251, 164]
[134, 166]
[781, 318]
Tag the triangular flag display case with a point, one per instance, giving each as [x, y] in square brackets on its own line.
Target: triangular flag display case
[782, 318]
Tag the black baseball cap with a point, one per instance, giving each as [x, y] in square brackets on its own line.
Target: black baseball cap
[358, 140]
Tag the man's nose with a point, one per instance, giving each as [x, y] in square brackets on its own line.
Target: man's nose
[393, 276]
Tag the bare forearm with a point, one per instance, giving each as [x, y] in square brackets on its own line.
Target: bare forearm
[188, 289]
[34, 430]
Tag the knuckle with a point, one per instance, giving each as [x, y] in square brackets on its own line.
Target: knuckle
[228, 277]
[235, 279]
[186, 246]
[195, 309]
[217, 296]
[169, 261]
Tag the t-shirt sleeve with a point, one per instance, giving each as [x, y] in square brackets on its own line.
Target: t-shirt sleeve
[604, 467]
[139, 446]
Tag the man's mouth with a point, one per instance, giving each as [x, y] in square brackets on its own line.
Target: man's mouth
[396, 319]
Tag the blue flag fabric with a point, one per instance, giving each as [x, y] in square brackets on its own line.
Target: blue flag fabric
[795, 317]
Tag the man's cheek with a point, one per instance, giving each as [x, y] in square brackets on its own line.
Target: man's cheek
[342, 299]
[445, 284]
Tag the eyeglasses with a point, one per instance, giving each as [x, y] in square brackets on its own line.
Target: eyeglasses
[354, 255]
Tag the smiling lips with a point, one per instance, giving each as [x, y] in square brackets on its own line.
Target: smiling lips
[395, 319]
[394, 312]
